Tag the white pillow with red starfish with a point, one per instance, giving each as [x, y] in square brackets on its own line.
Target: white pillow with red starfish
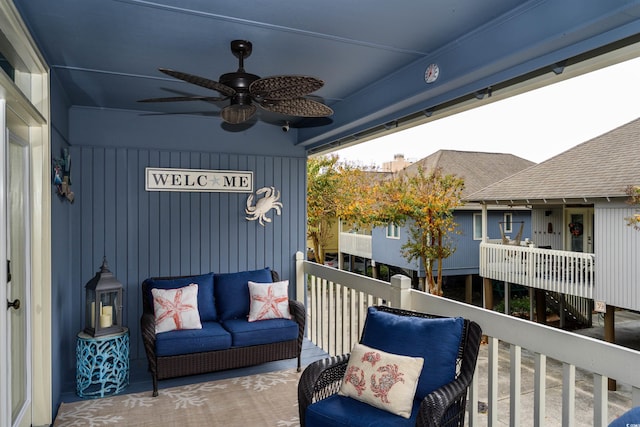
[176, 308]
[269, 301]
[384, 380]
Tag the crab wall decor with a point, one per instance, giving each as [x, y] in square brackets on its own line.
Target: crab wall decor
[263, 205]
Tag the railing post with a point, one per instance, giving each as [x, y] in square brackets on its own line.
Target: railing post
[300, 291]
[400, 287]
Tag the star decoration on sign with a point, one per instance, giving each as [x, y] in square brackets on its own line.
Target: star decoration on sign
[271, 302]
[173, 308]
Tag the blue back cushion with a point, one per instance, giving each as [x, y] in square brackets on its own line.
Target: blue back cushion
[436, 340]
[232, 292]
[206, 303]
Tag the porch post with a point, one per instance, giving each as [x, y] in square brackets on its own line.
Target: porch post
[468, 289]
[610, 335]
[541, 307]
[400, 287]
[487, 293]
[300, 294]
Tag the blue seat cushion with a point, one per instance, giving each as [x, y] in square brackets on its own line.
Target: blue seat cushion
[206, 302]
[232, 292]
[212, 336]
[245, 333]
[342, 411]
[436, 340]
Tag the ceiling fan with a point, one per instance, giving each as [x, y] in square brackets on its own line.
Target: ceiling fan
[279, 94]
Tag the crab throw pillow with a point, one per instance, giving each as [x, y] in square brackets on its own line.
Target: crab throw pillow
[384, 380]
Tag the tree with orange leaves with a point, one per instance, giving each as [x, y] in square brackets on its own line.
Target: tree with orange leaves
[634, 199]
[425, 202]
[335, 190]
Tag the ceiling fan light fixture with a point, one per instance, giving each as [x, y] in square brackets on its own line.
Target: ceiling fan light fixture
[237, 113]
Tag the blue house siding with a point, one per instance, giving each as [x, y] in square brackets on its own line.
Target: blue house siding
[145, 234]
[389, 251]
[466, 258]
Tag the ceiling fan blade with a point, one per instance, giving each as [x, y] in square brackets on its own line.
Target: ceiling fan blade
[301, 107]
[200, 81]
[184, 98]
[284, 87]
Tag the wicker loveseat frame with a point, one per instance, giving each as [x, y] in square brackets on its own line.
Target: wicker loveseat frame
[443, 407]
[163, 367]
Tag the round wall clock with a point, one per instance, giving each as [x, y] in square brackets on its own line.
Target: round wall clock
[432, 73]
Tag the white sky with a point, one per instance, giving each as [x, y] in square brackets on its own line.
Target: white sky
[536, 125]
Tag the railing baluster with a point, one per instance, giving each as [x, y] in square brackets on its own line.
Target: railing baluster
[493, 382]
[568, 395]
[540, 387]
[515, 384]
[600, 409]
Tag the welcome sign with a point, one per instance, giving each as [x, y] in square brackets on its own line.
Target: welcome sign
[197, 180]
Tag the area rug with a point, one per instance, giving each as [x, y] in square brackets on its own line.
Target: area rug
[268, 399]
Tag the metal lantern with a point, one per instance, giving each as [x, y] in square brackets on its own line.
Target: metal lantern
[103, 309]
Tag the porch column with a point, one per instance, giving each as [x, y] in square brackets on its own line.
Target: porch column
[610, 335]
[541, 307]
[375, 269]
[487, 293]
[400, 287]
[300, 282]
[468, 289]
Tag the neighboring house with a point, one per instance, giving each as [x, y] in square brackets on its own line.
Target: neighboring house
[478, 170]
[584, 249]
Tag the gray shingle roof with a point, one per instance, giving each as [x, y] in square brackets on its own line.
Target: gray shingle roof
[476, 168]
[601, 167]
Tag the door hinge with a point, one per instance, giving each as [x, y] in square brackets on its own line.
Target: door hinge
[8, 270]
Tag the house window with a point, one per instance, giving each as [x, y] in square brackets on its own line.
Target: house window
[477, 226]
[393, 231]
[508, 223]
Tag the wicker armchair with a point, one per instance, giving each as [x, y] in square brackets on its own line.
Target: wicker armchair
[443, 407]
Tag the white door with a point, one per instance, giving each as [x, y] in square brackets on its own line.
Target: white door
[15, 357]
[579, 229]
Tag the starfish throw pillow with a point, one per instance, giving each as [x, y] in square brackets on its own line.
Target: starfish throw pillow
[176, 308]
[384, 380]
[269, 301]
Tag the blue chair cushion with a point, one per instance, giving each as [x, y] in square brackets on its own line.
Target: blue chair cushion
[629, 418]
[342, 411]
[212, 336]
[232, 292]
[245, 333]
[436, 340]
[206, 302]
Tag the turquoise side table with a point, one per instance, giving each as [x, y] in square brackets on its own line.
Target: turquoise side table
[102, 364]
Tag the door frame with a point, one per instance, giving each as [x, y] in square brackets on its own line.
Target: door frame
[27, 99]
[588, 215]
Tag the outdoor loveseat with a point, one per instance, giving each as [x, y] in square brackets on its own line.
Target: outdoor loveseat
[226, 338]
[402, 349]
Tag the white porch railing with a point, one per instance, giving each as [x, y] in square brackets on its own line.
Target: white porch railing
[356, 244]
[336, 304]
[570, 273]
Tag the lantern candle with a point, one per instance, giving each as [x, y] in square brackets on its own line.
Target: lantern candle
[108, 311]
[105, 321]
